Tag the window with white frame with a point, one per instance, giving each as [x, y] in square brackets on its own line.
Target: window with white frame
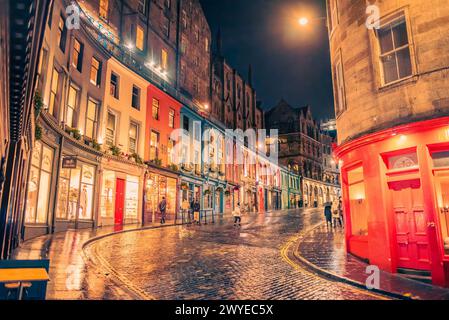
[133, 137]
[110, 129]
[91, 118]
[394, 50]
[72, 101]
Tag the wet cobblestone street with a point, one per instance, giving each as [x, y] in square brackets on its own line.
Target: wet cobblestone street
[218, 261]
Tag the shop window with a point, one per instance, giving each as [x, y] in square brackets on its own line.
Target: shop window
[75, 196]
[39, 184]
[107, 196]
[72, 101]
[441, 164]
[395, 50]
[132, 197]
[91, 118]
[95, 72]
[357, 202]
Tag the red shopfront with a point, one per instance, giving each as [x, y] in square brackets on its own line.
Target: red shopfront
[396, 198]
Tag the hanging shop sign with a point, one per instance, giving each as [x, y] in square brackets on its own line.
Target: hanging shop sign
[69, 162]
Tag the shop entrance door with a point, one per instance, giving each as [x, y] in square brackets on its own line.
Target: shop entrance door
[119, 201]
[411, 226]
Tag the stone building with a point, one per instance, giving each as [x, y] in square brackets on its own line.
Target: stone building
[303, 147]
[233, 97]
[391, 88]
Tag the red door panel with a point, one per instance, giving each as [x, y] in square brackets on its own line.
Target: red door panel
[119, 200]
[411, 228]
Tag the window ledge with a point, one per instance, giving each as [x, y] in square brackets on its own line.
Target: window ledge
[391, 85]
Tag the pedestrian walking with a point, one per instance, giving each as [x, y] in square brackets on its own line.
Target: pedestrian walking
[237, 215]
[328, 214]
[196, 211]
[336, 216]
[163, 209]
[340, 211]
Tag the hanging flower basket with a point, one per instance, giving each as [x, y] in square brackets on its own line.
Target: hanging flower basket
[227, 193]
[219, 189]
[184, 186]
[206, 192]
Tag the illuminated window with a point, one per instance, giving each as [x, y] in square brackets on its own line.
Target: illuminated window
[170, 152]
[110, 129]
[72, 101]
[133, 137]
[140, 38]
[132, 197]
[104, 8]
[53, 91]
[171, 118]
[155, 109]
[62, 33]
[95, 72]
[108, 192]
[154, 145]
[206, 44]
[441, 165]
[395, 50]
[78, 49]
[91, 118]
[115, 84]
[357, 202]
[39, 184]
[135, 102]
[164, 59]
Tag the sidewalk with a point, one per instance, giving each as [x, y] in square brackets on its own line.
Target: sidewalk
[324, 252]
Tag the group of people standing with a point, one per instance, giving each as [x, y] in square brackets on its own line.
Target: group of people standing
[333, 211]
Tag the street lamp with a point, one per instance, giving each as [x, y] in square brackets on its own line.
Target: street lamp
[304, 21]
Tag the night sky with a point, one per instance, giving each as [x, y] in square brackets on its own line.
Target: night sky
[289, 61]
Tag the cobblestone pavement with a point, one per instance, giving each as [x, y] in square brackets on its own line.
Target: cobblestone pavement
[323, 248]
[219, 261]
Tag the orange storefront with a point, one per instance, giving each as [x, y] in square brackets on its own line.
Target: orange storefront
[396, 197]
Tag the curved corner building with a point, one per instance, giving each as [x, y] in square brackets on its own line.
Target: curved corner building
[391, 86]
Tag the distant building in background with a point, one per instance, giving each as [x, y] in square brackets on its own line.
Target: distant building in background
[303, 147]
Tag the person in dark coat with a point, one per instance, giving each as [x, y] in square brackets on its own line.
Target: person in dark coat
[328, 214]
[163, 209]
[196, 211]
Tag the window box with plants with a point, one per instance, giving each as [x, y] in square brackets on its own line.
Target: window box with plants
[74, 133]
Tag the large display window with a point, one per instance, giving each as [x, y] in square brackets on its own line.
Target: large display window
[76, 191]
[357, 202]
[157, 187]
[441, 174]
[132, 197]
[39, 184]
[107, 195]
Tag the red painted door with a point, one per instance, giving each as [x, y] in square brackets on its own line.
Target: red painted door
[411, 228]
[119, 200]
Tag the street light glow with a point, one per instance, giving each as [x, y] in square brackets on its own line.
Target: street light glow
[303, 21]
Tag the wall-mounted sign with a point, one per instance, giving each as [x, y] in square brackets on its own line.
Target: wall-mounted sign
[69, 162]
